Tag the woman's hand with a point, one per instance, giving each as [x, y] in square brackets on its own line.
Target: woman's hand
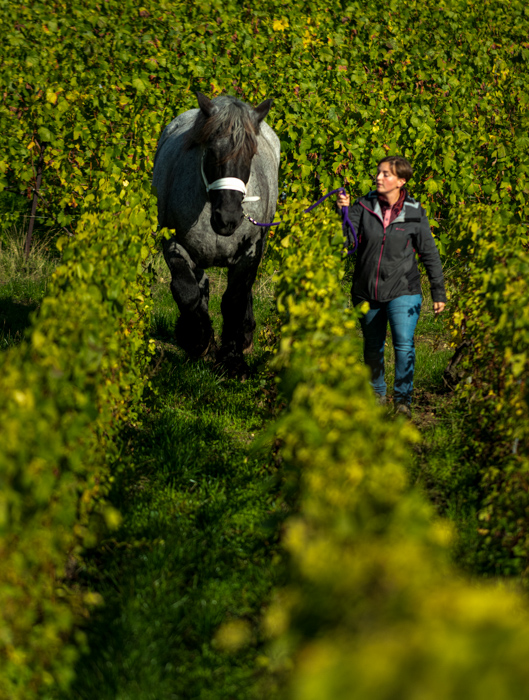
[438, 307]
[343, 200]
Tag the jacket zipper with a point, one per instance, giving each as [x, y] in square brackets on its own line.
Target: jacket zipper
[379, 261]
[381, 248]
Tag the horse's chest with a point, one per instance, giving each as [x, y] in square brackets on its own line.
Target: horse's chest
[246, 245]
[207, 249]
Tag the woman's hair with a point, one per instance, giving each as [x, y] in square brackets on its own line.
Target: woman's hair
[399, 166]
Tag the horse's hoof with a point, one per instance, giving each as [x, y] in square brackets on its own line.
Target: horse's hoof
[199, 353]
[210, 353]
[239, 370]
[209, 349]
[196, 349]
[247, 350]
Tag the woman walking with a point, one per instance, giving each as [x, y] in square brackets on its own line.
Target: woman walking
[392, 227]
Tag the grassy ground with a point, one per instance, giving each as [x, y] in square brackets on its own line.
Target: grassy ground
[186, 576]
[23, 283]
[441, 469]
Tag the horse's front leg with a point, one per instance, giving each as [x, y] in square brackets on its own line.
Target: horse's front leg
[190, 290]
[238, 317]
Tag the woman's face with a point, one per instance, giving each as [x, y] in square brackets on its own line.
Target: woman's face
[387, 182]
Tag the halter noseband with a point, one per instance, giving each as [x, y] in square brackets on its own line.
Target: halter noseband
[226, 183]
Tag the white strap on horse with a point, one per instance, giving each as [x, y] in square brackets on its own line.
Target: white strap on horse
[226, 183]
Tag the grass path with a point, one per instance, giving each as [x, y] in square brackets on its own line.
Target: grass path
[198, 547]
[441, 468]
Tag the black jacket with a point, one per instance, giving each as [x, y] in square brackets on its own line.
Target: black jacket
[386, 265]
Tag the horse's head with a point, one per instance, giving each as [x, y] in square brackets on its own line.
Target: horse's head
[227, 129]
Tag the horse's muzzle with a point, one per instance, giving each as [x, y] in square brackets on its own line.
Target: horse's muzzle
[225, 223]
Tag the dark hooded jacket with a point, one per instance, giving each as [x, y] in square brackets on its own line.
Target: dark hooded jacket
[386, 264]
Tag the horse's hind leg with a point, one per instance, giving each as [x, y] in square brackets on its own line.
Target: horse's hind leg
[190, 289]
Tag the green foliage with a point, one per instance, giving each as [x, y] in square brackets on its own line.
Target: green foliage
[492, 311]
[94, 84]
[373, 609]
[62, 395]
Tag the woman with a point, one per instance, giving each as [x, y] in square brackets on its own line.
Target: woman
[391, 228]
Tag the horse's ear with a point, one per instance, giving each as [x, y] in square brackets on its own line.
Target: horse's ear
[205, 104]
[262, 110]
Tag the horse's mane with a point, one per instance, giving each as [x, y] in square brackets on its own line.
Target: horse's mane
[232, 119]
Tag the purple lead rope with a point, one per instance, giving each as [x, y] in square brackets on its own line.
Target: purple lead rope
[346, 223]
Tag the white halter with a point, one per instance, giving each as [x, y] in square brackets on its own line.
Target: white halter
[226, 183]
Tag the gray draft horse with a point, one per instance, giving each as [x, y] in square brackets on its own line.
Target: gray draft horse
[210, 162]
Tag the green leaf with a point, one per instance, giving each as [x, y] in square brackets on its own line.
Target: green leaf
[431, 186]
[139, 85]
[44, 134]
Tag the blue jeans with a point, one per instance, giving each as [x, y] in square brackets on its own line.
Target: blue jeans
[402, 314]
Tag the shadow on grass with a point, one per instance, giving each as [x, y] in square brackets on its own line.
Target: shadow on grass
[15, 318]
[198, 545]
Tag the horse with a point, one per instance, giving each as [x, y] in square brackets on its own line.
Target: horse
[210, 162]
